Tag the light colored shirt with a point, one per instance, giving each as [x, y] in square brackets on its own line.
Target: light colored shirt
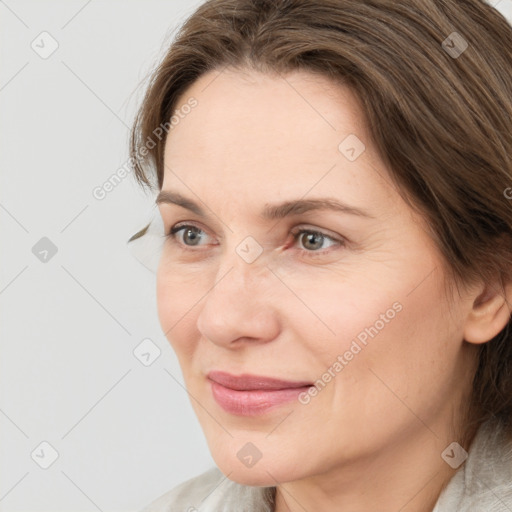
[483, 483]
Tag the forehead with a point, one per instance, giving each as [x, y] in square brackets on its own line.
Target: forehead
[272, 135]
[289, 114]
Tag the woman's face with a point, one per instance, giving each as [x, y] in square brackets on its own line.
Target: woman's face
[354, 307]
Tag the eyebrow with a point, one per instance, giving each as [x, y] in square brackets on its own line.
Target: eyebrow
[271, 211]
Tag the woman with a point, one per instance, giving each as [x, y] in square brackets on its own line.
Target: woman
[372, 369]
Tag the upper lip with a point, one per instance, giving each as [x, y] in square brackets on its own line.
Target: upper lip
[247, 381]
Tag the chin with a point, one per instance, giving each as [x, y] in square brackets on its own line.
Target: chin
[264, 473]
[251, 476]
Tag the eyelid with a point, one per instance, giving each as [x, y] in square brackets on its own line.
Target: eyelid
[324, 232]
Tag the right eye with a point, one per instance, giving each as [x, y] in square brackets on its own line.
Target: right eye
[188, 232]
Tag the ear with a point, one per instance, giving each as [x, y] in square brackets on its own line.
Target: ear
[490, 312]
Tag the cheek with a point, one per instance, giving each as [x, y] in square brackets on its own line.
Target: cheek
[387, 323]
[337, 307]
[411, 358]
[175, 304]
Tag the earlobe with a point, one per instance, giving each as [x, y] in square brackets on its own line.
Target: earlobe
[490, 313]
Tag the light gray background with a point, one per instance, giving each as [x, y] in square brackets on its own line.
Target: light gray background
[124, 432]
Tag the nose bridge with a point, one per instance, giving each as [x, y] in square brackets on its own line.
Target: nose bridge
[243, 270]
[237, 305]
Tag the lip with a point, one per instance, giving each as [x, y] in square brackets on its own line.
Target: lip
[250, 395]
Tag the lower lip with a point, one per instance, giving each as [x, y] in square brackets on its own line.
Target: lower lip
[253, 402]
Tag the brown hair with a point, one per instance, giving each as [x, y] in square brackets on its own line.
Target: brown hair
[440, 120]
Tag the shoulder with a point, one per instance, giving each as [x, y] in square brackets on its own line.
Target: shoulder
[188, 494]
[484, 482]
[212, 491]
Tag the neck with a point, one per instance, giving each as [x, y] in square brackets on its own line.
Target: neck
[405, 476]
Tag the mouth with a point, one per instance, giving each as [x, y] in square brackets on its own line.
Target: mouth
[250, 395]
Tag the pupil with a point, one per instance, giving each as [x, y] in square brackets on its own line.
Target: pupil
[190, 231]
[312, 236]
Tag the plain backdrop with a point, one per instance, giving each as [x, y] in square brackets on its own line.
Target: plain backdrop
[85, 424]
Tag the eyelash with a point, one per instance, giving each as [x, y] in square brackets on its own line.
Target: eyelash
[180, 227]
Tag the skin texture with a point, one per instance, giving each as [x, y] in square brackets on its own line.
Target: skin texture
[372, 438]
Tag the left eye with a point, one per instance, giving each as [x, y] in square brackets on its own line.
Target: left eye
[314, 239]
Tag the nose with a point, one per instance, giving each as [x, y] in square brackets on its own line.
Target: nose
[239, 307]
